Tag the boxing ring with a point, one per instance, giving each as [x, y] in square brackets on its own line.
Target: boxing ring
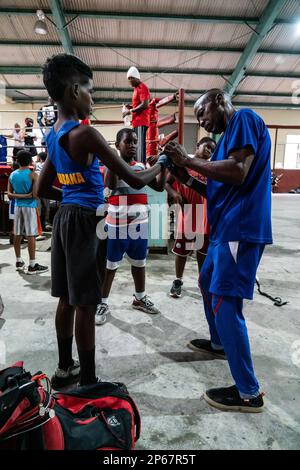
[158, 202]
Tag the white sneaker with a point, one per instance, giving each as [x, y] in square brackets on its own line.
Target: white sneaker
[63, 378]
[101, 314]
[39, 238]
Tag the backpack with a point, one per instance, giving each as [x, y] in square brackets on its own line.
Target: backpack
[102, 416]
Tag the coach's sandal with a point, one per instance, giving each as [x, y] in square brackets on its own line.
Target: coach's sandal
[145, 305]
[175, 290]
[63, 378]
[20, 265]
[101, 314]
[37, 269]
[228, 399]
[204, 346]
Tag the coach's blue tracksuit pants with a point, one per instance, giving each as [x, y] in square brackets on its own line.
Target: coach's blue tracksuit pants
[227, 277]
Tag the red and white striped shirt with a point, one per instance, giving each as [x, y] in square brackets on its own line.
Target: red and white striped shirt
[126, 204]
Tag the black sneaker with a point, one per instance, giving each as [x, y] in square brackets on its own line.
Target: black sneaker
[37, 269]
[63, 378]
[204, 346]
[20, 265]
[175, 290]
[228, 399]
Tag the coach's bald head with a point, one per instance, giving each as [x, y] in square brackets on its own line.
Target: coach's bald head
[213, 109]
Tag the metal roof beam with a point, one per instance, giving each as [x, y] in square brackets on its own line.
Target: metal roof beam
[167, 47]
[187, 103]
[96, 14]
[158, 90]
[265, 24]
[58, 17]
[36, 70]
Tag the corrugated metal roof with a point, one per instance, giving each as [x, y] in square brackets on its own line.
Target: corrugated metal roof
[162, 32]
[19, 93]
[38, 4]
[175, 33]
[22, 27]
[290, 9]
[275, 63]
[268, 84]
[105, 79]
[163, 59]
[195, 7]
[285, 37]
[262, 99]
[11, 55]
[25, 80]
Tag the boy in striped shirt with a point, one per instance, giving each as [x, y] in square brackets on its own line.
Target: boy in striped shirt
[127, 227]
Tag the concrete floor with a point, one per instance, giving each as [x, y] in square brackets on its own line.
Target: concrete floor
[149, 354]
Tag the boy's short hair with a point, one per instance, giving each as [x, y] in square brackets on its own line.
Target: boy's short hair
[61, 69]
[43, 156]
[29, 122]
[204, 140]
[125, 130]
[24, 158]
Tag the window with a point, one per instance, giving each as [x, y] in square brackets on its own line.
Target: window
[292, 152]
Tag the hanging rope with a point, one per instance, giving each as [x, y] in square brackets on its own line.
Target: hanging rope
[277, 300]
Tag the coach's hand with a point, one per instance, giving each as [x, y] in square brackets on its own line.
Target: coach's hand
[177, 153]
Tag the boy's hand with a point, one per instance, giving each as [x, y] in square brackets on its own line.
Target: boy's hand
[164, 161]
[152, 160]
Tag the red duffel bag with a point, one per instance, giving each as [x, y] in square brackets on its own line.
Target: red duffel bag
[95, 417]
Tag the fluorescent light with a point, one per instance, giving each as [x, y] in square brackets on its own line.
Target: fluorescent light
[40, 26]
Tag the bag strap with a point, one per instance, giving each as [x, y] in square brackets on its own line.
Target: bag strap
[137, 418]
[9, 372]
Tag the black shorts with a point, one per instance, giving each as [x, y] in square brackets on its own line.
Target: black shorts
[16, 150]
[141, 132]
[78, 257]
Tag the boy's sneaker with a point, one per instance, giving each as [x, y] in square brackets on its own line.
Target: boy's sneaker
[145, 305]
[37, 269]
[63, 378]
[101, 314]
[20, 265]
[175, 290]
[39, 238]
[228, 399]
[204, 346]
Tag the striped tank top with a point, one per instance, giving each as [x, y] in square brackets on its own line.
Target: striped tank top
[127, 205]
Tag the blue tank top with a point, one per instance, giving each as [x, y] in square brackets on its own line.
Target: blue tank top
[22, 184]
[81, 185]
